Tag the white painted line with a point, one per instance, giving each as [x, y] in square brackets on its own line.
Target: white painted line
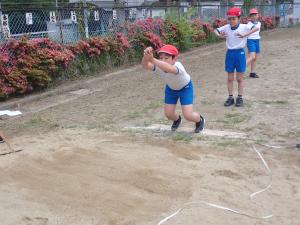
[81, 92]
[207, 132]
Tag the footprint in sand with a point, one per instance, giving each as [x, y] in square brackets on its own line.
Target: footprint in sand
[34, 221]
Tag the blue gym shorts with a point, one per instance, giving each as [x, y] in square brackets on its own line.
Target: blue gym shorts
[185, 95]
[235, 61]
[253, 45]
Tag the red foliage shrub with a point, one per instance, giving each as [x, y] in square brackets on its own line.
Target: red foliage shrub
[266, 22]
[219, 23]
[198, 32]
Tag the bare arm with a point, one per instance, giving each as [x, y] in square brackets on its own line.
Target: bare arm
[166, 67]
[146, 63]
[147, 58]
[248, 33]
[220, 34]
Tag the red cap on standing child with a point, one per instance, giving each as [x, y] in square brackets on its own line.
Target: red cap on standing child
[253, 11]
[235, 11]
[169, 49]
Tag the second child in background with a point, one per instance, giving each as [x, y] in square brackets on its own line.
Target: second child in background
[253, 42]
[235, 62]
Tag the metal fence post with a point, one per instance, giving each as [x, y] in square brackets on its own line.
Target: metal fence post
[85, 19]
[0, 22]
[60, 26]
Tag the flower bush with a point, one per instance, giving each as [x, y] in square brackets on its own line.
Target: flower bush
[266, 22]
[27, 65]
[178, 32]
[198, 33]
[31, 64]
[219, 23]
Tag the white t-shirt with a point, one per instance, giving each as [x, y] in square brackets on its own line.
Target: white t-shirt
[252, 25]
[175, 81]
[232, 40]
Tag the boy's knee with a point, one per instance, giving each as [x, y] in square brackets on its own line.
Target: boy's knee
[188, 116]
[230, 79]
[239, 79]
[169, 114]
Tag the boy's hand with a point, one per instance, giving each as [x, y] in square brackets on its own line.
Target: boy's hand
[148, 54]
[239, 35]
[148, 50]
[223, 35]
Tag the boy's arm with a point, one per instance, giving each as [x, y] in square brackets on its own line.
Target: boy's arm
[166, 67]
[220, 32]
[146, 63]
[252, 30]
[147, 58]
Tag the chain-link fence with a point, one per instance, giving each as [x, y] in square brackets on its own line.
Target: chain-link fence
[71, 23]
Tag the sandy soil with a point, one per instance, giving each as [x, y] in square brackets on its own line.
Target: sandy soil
[79, 166]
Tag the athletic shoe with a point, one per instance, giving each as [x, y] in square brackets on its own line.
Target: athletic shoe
[200, 125]
[253, 75]
[239, 102]
[176, 124]
[229, 101]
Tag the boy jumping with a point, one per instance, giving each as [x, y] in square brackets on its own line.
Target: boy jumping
[236, 38]
[178, 85]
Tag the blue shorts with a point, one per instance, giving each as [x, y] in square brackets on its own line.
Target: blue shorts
[185, 95]
[253, 45]
[235, 61]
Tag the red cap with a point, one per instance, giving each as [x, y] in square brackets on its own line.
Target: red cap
[235, 11]
[253, 11]
[169, 49]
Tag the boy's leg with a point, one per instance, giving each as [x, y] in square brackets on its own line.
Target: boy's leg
[230, 100]
[239, 100]
[172, 115]
[240, 81]
[170, 112]
[189, 114]
[230, 80]
[252, 68]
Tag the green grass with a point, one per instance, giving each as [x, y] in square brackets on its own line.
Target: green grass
[37, 122]
[182, 137]
[228, 142]
[140, 113]
[234, 118]
[294, 132]
[277, 102]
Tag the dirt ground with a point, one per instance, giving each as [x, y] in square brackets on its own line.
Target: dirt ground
[81, 166]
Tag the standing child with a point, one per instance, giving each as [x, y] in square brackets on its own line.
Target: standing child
[178, 85]
[253, 42]
[236, 38]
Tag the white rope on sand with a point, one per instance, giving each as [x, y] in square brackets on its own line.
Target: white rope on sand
[224, 207]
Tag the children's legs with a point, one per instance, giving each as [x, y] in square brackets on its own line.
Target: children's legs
[251, 58]
[230, 80]
[253, 64]
[189, 114]
[239, 79]
[170, 112]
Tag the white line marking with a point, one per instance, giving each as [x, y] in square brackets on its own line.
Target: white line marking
[207, 132]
